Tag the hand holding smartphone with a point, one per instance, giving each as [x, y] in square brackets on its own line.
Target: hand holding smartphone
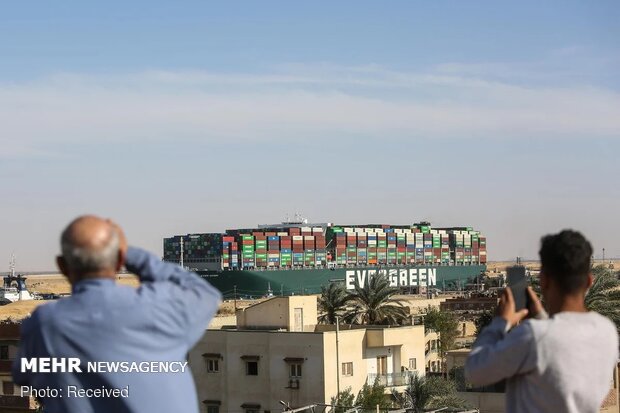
[517, 282]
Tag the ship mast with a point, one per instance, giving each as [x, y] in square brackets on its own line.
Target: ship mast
[12, 265]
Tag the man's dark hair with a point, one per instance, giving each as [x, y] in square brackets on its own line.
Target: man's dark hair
[565, 257]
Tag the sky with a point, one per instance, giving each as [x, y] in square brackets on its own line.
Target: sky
[184, 117]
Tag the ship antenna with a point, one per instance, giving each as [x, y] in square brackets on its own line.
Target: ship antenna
[12, 265]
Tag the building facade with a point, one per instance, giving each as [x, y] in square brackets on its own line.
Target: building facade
[279, 356]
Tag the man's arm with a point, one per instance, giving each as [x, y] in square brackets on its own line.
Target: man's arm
[186, 300]
[498, 355]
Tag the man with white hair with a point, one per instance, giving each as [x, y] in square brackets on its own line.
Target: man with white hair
[145, 332]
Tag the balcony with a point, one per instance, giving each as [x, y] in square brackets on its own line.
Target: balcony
[390, 380]
[17, 403]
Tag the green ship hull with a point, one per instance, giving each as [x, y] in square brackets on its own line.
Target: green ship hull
[258, 283]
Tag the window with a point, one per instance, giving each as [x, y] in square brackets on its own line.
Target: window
[413, 365]
[347, 369]
[212, 362]
[213, 365]
[8, 388]
[251, 407]
[212, 406]
[4, 352]
[295, 370]
[382, 365]
[251, 369]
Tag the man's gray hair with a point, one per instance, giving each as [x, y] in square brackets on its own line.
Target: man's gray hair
[86, 260]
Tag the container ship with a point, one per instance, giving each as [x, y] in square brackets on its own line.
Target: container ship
[299, 258]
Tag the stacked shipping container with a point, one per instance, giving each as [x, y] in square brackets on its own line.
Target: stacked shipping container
[341, 245]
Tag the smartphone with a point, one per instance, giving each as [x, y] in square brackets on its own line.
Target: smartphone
[518, 285]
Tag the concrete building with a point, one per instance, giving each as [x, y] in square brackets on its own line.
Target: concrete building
[491, 399]
[469, 304]
[10, 399]
[279, 353]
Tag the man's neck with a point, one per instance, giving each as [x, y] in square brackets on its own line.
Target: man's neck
[570, 303]
[105, 275]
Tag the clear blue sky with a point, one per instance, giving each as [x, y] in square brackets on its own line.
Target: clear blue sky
[187, 117]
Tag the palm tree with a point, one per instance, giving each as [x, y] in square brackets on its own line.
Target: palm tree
[374, 303]
[332, 303]
[604, 295]
[425, 392]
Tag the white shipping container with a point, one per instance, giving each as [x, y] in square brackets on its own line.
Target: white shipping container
[298, 238]
[309, 237]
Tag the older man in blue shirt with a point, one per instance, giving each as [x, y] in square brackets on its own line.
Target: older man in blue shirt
[148, 330]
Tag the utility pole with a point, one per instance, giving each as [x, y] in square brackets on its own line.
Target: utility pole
[337, 359]
[182, 252]
[235, 292]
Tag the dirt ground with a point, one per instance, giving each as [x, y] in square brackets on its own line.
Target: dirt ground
[498, 266]
[58, 284]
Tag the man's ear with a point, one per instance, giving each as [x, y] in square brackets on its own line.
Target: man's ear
[544, 281]
[62, 265]
[590, 280]
[121, 259]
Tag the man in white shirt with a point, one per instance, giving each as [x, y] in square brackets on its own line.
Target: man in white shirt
[557, 363]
